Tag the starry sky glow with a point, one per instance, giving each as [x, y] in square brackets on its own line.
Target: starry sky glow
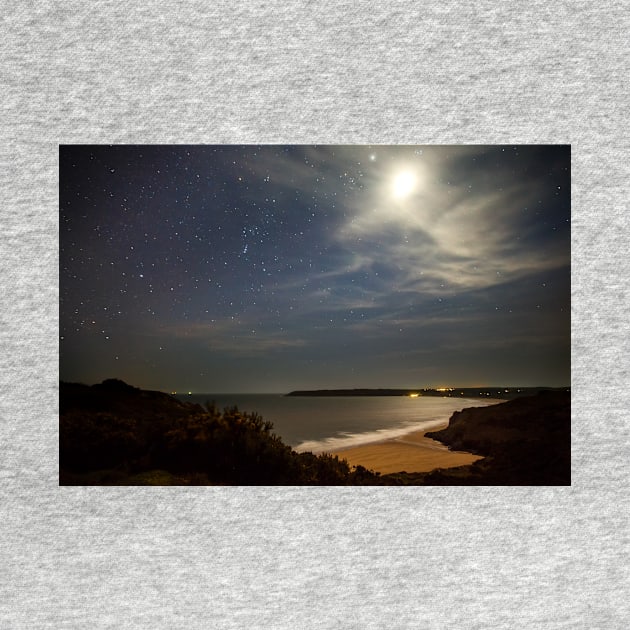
[272, 268]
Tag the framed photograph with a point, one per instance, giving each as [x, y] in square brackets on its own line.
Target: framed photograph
[315, 315]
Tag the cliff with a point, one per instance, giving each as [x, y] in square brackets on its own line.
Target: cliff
[525, 441]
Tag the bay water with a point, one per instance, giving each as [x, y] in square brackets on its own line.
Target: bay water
[318, 424]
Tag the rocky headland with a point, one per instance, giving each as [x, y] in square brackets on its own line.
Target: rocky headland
[525, 441]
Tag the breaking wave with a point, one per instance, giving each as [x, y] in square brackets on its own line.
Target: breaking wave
[348, 440]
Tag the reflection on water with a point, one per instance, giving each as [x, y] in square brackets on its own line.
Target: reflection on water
[322, 423]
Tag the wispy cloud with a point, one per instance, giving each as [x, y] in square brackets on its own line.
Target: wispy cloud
[446, 234]
[456, 228]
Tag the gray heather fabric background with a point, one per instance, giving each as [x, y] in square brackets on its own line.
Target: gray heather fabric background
[302, 72]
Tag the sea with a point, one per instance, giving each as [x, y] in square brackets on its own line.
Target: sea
[321, 423]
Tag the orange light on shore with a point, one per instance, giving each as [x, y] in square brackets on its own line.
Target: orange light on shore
[413, 395]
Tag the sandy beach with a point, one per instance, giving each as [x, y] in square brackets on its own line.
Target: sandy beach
[413, 452]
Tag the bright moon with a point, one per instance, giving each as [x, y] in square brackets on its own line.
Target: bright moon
[404, 184]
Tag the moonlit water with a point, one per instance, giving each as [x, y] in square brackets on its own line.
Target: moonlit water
[320, 424]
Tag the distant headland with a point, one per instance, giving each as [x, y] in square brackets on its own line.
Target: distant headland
[504, 393]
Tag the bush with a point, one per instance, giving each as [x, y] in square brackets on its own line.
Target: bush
[194, 443]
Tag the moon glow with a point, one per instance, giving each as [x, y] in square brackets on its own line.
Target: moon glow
[403, 184]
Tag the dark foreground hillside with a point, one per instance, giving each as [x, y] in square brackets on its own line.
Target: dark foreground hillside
[115, 434]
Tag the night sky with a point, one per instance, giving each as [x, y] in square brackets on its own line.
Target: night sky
[272, 268]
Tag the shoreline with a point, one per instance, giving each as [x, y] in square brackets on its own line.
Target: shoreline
[411, 452]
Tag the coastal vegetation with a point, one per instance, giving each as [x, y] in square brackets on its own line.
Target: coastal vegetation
[116, 434]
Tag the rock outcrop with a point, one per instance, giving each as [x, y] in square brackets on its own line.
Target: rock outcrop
[525, 441]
